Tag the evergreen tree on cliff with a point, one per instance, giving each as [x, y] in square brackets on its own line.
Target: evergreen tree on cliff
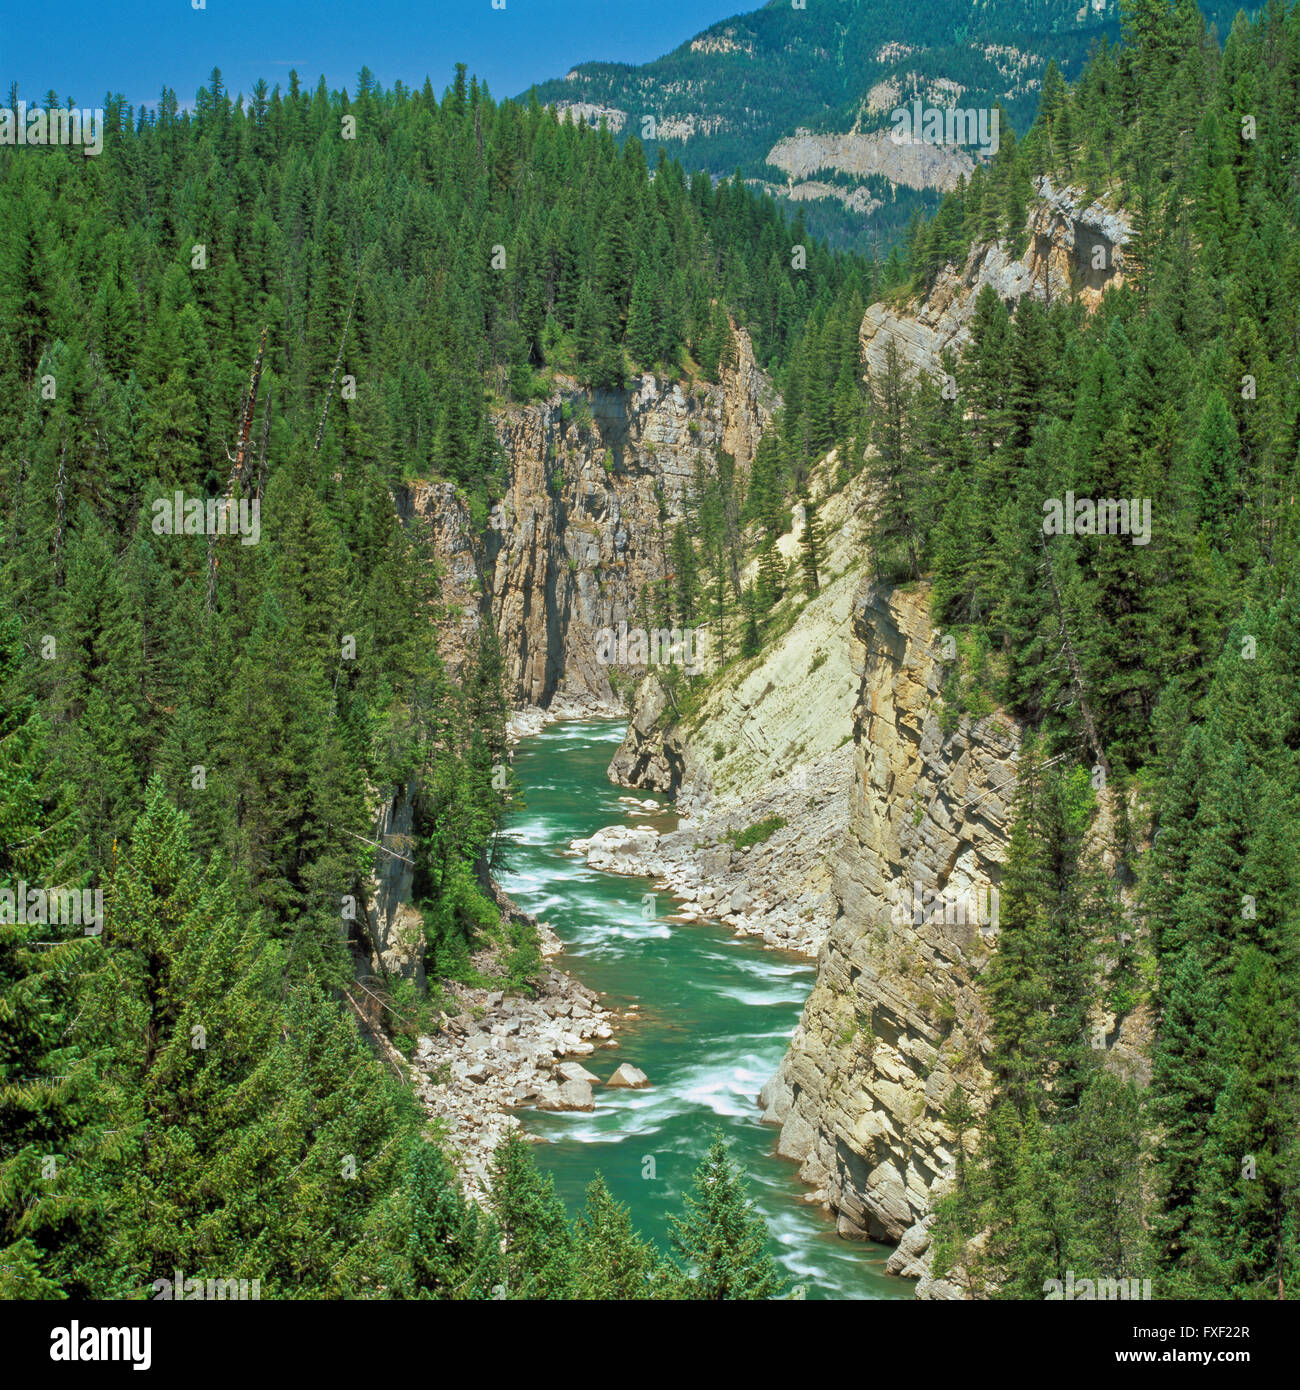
[811, 546]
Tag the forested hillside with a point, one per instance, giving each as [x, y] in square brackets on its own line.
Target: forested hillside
[722, 100]
[1153, 874]
[303, 302]
[297, 302]
[1158, 671]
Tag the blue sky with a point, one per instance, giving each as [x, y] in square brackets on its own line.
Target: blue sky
[84, 48]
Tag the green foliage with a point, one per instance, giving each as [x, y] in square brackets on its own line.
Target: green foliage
[1175, 658]
[611, 1260]
[815, 67]
[721, 1240]
[757, 833]
[537, 1244]
[1058, 1178]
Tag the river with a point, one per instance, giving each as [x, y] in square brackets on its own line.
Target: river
[714, 1014]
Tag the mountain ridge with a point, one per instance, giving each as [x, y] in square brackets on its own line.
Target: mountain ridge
[726, 98]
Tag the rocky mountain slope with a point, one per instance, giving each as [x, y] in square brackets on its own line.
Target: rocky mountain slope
[786, 94]
[894, 1023]
[1071, 247]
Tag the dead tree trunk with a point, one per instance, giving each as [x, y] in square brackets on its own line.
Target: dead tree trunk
[237, 461]
[1076, 670]
[338, 362]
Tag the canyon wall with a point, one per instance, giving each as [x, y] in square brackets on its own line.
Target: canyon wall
[894, 1022]
[596, 484]
[1072, 247]
[769, 745]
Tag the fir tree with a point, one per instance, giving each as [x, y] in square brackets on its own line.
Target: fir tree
[721, 1239]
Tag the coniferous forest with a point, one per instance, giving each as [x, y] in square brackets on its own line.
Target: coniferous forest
[315, 298]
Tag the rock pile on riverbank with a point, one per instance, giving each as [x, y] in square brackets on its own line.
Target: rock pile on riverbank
[529, 721]
[499, 1052]
[778, 890]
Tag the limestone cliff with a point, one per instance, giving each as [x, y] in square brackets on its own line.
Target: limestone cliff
[911, 164]
[1071, 247]
[595, 485]
[894, 1021]
[769, 741]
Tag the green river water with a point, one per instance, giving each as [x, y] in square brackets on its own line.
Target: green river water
[715, 1014]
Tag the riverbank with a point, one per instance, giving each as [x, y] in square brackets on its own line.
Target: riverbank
[706, 1014]
[763, 870]
[501, 1052]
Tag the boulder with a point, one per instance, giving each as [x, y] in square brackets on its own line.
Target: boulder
[628, 1075]
[575, 1071]
[570, 1095]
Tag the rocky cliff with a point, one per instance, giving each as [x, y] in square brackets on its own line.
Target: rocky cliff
[894, 1022]
[1071, 247]
[862, 153]
[767, 746]
[596, 482]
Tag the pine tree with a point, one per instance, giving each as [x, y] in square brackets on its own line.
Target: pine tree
[441, 1246]
[610, 1260]
[721, 1239]
[537, 1241]
[811, 545]
[898, 475]
[42, 1102]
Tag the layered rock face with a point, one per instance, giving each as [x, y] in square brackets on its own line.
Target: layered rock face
[1073, 248]
[778, 713]
[894, 1022]
[596, 484]
[769, 744]
[396, 929]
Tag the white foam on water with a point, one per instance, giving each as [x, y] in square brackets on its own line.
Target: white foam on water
[529, 832]
[770, 969]
[758, 998]
[611, 941]
[731, 1094]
